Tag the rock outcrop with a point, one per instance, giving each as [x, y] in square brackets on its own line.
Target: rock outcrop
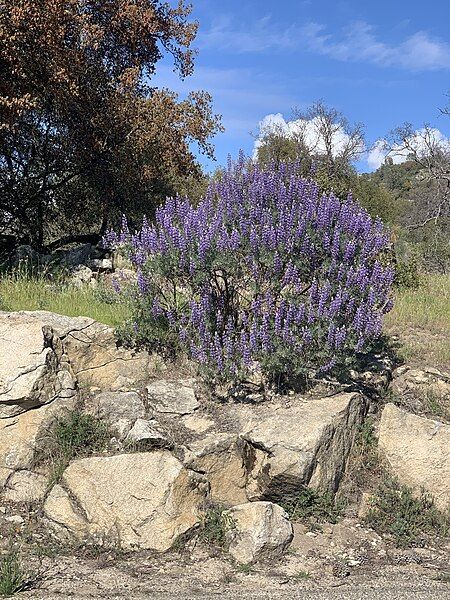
[95, 358]
[306, 442]
[175, 448]
[422, 389]
[119, 410]
[33, 366]
[22, 437]
[172, 397]
[227, 461]
[44, 358]
[257, 530]
[272, 450]
[143, 500]
[417, 450]
[26, 486]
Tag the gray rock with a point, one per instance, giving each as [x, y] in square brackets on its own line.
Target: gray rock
[76, 256]
[82, 275]
[176, 397]
[146, 433]
[226, 459]
[257, 530]
[304, 443]
[101, 264]
[25, 486]
[33, 368]
[118, 409]
[418, 451]
[23, 436]
[95, 357]
[140, 500]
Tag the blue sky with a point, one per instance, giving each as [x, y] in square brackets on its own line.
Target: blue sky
[381, 63]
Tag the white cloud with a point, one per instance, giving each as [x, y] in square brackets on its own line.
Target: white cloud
[262, 34]
[377, 155]
[309, 131]
[419, 52]
[380, 150]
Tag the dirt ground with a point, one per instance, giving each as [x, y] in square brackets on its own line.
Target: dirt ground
[345, 560]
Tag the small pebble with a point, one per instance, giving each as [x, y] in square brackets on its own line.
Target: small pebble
[15, 519]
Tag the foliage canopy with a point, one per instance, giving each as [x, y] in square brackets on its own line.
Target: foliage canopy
[83, 133]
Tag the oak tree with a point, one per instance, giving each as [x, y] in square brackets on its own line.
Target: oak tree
[84, 133]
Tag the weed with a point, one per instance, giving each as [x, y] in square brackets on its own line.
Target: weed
[244, 568]
[302, 576]
[315, 506]
[215, 526]
[41, 289]
[444, 576]
[421, 317]
[435, 405]
[428, 402]
[12, 577]
[366, 445]
[80, 434]
[410, 520]
[74, 435]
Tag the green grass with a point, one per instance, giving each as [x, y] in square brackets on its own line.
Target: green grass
[80, 434]
[421, 318]
[75, 435]
[12, 577]
[302, 576]
[214, 526]
[29, 291]
[244, 568]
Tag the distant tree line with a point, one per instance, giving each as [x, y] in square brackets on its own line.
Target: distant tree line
[412, 196]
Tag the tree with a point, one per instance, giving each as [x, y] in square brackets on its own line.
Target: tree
[322, 139]
[430, 152]
[417, 175]
[328, 135]
[84, 135]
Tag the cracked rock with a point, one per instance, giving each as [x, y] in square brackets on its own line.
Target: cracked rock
[305, 443]
[25, 486]
[418, 452]
[119, 410]
[176, 397]
[22, 437]
[226, 460]
[146, 433]
[33, 369]
[142, 500]
[257, 530]
[95, 357]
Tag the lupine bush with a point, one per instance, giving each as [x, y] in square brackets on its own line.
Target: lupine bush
[263, 273]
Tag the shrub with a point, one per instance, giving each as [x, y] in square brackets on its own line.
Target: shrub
[264, 271]
[410, 520]
[75, 434]
[311, 505]
[215, 525]
[407, 274]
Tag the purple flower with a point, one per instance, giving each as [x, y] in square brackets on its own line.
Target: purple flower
[263, 268]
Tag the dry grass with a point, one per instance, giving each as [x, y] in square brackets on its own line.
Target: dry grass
[421, 319]
[28, 291]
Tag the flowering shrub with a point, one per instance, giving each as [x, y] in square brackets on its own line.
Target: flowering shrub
[263, 271]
